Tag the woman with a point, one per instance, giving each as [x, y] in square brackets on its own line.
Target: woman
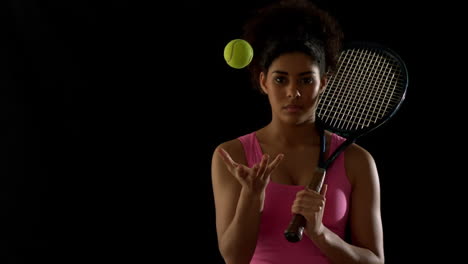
[259, 179]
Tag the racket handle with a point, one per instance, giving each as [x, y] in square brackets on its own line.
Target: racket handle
[318, 179]
[295, 229]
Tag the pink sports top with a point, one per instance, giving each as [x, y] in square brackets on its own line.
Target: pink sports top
[272, 246]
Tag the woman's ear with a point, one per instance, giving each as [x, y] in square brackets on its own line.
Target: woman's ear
[323, 84]
[262, 81]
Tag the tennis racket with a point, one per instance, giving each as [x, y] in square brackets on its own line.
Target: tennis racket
[366, 90]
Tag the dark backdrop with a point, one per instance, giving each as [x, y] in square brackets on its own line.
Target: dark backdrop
[111, 112]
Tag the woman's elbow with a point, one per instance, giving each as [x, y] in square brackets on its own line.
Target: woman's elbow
[231, 257]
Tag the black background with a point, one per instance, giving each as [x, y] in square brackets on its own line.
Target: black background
[110, 113]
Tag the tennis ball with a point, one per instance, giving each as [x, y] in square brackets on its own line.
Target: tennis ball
[238, 53]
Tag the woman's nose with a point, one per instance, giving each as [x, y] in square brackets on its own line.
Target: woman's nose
[293, 91]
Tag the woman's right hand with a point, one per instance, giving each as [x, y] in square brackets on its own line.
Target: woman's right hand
[253, 179]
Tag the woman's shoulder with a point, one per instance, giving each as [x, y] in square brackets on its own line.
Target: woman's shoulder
[235, 146]
[358, 154]
[358, 161]
[231, 146]
[353, 152]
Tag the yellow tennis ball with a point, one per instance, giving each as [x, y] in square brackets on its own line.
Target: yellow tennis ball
[238, 53]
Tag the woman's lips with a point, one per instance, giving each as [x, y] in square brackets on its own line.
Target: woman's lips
[293, 108]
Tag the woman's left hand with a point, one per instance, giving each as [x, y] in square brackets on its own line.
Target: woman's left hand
[311, 205]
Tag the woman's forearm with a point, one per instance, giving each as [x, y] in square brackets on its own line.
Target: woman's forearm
[238, 242]
[339, 251]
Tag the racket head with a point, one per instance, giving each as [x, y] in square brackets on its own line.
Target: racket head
[367, 88]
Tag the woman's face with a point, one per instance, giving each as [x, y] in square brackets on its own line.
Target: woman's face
[293, 85]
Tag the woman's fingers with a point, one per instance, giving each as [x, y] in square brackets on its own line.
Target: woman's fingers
[261, 170]
[308, 204]
[272, 166]
[263, 166]
[230, 163]
[309, 201]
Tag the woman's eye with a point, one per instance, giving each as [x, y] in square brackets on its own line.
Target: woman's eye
[279, 79]
[307, 80]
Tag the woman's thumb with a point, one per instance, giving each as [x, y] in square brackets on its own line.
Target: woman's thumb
[323, 191]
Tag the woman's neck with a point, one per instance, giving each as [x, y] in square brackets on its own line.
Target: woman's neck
[291, 135]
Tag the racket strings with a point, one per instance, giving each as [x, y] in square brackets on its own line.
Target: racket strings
[365, 88]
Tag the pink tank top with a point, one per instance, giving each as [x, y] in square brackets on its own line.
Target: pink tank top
[272, 246]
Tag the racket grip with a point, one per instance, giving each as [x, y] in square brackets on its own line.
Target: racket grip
[295, 229]
[318, 179]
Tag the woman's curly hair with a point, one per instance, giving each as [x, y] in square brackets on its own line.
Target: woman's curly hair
[289, 26]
